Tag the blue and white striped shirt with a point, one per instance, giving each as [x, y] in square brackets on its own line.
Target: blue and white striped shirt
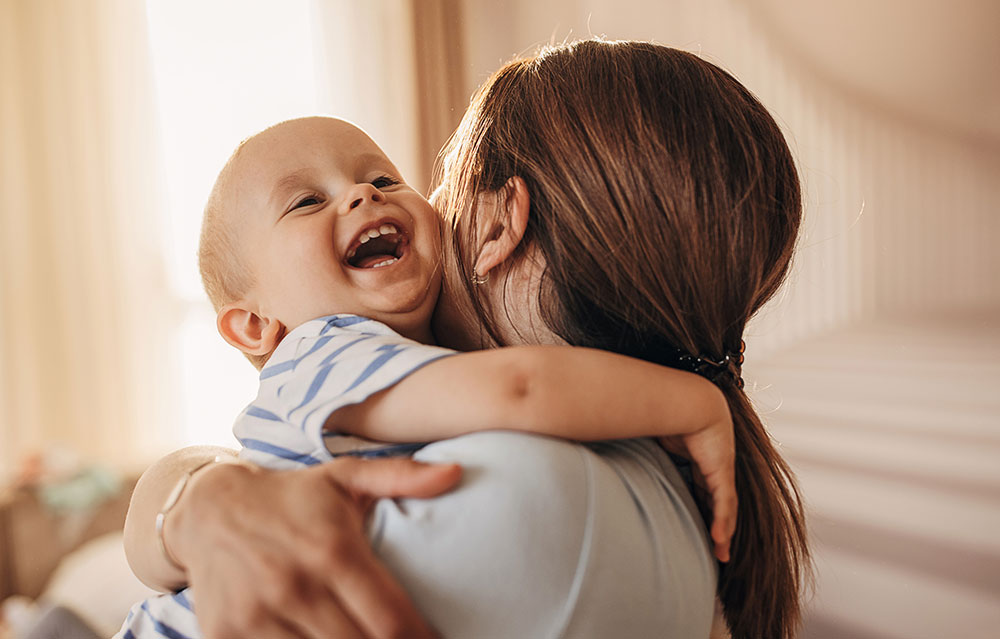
[320, 366]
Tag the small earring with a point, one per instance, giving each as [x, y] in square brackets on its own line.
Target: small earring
[478, 279]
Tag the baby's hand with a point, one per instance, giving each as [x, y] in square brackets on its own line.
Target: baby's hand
[713, 451]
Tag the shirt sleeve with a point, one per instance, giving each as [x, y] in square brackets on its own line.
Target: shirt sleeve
[313, 373]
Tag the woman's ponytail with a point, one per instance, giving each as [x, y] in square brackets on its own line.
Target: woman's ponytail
[761, 586]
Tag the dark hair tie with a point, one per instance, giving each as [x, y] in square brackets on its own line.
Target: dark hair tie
[731, 365]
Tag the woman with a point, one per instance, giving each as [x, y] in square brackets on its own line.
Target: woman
[621, 196]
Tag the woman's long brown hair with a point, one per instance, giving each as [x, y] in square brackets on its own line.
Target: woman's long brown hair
[666, 204]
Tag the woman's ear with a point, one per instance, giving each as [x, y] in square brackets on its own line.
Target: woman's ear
[248, 331]
[508, 230]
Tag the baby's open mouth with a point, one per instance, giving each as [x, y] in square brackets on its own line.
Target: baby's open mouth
[377, 247]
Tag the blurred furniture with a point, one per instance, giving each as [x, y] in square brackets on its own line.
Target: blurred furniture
[33, 538]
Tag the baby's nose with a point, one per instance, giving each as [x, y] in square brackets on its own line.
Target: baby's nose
[362, 193]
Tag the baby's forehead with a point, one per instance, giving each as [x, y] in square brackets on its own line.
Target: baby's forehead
[297, 145]
[335, 134]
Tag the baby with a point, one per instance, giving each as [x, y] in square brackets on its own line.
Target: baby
[325, 269]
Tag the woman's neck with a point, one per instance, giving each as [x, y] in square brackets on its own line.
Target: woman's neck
[510, 295]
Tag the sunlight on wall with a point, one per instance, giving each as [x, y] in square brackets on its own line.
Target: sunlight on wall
[222, 71]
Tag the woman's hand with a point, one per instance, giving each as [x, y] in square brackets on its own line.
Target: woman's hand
[713, 452]
[284, 553]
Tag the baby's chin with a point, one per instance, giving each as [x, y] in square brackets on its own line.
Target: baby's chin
[410, 317]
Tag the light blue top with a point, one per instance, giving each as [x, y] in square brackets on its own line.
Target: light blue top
[548, 538]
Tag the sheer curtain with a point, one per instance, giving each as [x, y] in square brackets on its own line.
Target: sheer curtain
[115, 116]
[80, 283]
[399, 66]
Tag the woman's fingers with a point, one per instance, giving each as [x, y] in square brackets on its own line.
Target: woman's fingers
[279, 604]
[367, 590]
[314, 617]
[264, 628]
[240, 616]
[392, 477]
[370, 594]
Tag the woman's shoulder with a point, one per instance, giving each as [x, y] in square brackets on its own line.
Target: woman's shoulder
[586, 540]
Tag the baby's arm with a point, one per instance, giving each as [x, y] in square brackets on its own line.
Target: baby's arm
[573, 393]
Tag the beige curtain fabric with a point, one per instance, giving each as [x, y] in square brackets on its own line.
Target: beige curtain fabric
[441, 86]
[82, 308]
[395, 67]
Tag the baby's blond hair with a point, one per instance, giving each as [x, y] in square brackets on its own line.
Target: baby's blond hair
[225, 273]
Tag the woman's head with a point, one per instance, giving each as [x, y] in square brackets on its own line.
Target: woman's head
[663, 207]
[659, 188]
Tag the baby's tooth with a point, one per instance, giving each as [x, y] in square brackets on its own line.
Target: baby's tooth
[364, 238]
[373, 233]
[385, 229]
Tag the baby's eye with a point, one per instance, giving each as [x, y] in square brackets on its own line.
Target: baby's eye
[384, 182]
[306, 201]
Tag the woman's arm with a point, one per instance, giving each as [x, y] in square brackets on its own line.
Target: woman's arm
[573, 393]
[297, 536]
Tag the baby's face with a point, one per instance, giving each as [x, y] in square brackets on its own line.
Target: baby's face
[328, 226]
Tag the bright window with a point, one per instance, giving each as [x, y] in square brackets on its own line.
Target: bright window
[222, 70]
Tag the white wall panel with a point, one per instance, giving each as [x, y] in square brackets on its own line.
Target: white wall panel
[901, 213]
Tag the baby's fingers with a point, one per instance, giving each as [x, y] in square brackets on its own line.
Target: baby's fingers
[724, 510]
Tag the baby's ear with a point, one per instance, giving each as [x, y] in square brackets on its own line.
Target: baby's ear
[508, 231]
[248, 331]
